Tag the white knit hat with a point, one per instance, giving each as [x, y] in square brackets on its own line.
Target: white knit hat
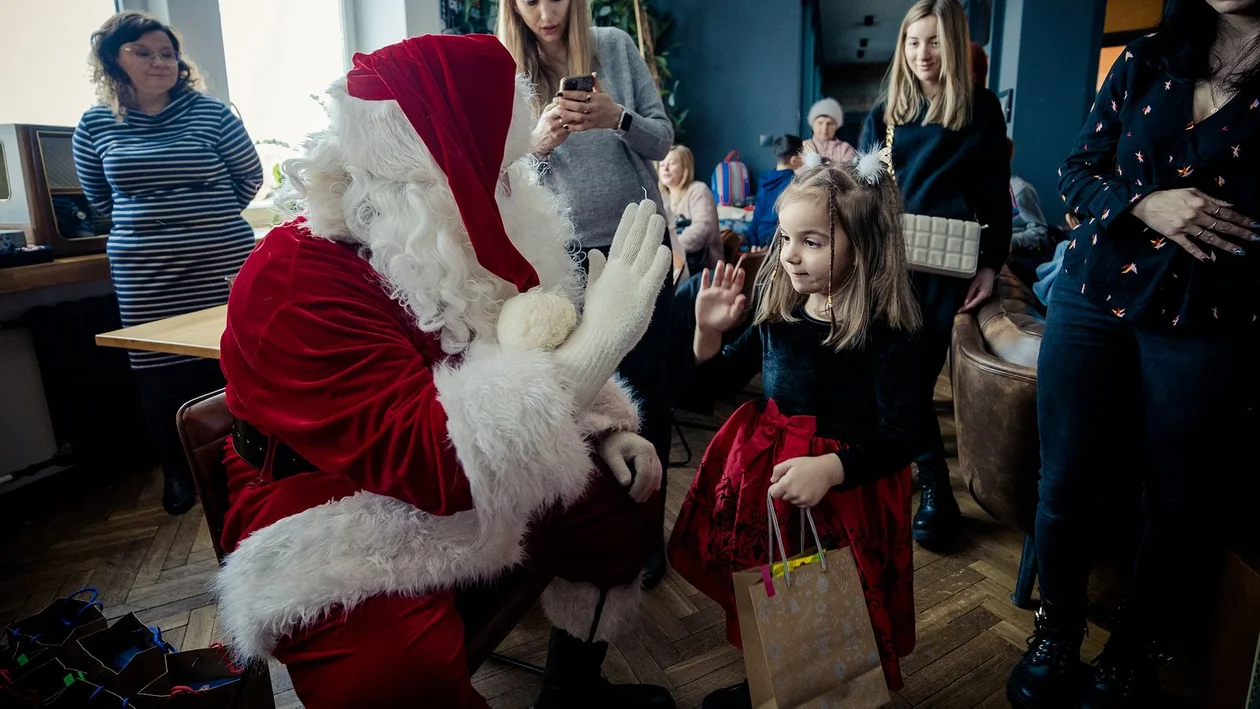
[827, 107]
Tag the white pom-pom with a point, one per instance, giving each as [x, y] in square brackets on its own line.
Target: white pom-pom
[812, 159]
[870, 165]
[536, 320]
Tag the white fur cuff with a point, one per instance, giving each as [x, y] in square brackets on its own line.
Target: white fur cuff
[331, 558]
[514, 430]
[571, 607]
[614, 409]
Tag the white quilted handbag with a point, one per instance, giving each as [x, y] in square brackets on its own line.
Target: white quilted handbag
[950, 247]
[938, 245]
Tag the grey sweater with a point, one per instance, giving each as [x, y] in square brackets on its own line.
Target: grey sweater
[597, 173]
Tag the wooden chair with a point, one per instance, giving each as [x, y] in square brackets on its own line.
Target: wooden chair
[489, 613]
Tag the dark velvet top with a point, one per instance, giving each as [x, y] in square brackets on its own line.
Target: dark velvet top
[860, 397]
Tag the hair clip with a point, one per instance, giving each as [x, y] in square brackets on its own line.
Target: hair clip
[870, 165]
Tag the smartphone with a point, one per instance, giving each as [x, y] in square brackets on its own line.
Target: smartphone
[585, 82]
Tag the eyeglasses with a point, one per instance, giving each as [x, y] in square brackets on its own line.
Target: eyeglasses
[144, 54]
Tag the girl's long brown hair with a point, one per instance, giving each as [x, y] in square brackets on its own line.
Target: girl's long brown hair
[903, 95]
[523, 46]
[876, 287]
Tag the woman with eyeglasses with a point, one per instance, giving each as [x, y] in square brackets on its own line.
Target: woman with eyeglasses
[173, 168]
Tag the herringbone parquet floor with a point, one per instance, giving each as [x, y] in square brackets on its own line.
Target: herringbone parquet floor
[113, 534]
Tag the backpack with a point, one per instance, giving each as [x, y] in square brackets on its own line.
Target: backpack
[730, 181]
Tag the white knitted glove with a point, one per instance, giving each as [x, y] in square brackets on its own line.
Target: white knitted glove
[625, 448]
[620, 294]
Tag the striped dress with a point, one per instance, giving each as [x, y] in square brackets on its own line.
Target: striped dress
[175, 184]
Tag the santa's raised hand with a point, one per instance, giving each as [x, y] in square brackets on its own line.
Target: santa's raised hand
[620, 293]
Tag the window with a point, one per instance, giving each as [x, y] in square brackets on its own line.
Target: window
[281, 56]
[53, 56]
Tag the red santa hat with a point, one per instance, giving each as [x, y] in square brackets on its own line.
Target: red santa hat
[457, 92]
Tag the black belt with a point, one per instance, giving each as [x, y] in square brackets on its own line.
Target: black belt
[254, 447]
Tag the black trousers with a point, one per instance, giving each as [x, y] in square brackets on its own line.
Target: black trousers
[1176, 413]
[645, 370]
[939, 298]
[162, 391]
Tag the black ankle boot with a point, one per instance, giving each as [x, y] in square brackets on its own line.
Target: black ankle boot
[1049, 674]
[573, 680]
[938, 514]
[178, 493]
[654, 570]
[1126, 674]
[734, 697]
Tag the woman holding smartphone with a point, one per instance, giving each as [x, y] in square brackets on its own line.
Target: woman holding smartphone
[596, 138]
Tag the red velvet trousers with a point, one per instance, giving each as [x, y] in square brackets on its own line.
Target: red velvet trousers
[409, 651]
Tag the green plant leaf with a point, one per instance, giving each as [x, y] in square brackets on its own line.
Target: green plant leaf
[605, 11]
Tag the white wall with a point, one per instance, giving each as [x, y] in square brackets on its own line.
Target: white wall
[372, 24]
[33, 62]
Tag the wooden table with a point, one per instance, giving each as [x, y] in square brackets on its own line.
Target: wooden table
[196, 334]
[62, 271]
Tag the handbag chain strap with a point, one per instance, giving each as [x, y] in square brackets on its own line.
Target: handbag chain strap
[885, 153]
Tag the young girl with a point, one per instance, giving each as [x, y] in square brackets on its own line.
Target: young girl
[831, 338]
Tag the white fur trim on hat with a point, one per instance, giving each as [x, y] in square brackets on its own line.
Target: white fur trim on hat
[827, 107]
[536, 320]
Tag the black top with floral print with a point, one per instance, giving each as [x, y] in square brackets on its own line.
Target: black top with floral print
[1140, 138]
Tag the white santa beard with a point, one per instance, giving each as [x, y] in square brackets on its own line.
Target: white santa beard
[402, 210]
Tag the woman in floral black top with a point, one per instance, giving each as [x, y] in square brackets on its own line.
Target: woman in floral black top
[1149, 356]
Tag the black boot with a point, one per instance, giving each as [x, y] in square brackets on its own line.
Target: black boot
[654, 570]
[735, 697]
[573, 680]
[178, 493]
[938, 514]
[1049, 674]
[1126, 673]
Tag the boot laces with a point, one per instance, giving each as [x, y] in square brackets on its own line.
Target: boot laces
[1126, 670]
[1050, 643]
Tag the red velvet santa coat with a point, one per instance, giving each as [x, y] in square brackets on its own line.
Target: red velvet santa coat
[432, 466]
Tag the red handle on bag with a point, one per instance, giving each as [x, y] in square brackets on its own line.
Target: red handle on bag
[732, 156]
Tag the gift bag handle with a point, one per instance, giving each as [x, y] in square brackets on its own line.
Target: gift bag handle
[776, 537]
[125, 702]
[91, 601]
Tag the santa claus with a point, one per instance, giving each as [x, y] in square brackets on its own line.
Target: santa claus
[416, 411]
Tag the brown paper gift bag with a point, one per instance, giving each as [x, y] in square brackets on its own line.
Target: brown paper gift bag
[807, 635]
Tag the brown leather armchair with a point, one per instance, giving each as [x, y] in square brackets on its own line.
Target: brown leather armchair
[489, 612]
[994, 374]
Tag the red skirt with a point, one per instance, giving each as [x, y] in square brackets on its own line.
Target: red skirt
[722, 527]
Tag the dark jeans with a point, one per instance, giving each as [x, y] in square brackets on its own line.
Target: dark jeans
[1117, 399]
[162, 391]
[645, 371]
[939, 298]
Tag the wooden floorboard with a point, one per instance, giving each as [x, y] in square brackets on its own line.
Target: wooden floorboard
[142, 561]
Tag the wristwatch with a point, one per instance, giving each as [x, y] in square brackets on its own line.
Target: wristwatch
[623, 125]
